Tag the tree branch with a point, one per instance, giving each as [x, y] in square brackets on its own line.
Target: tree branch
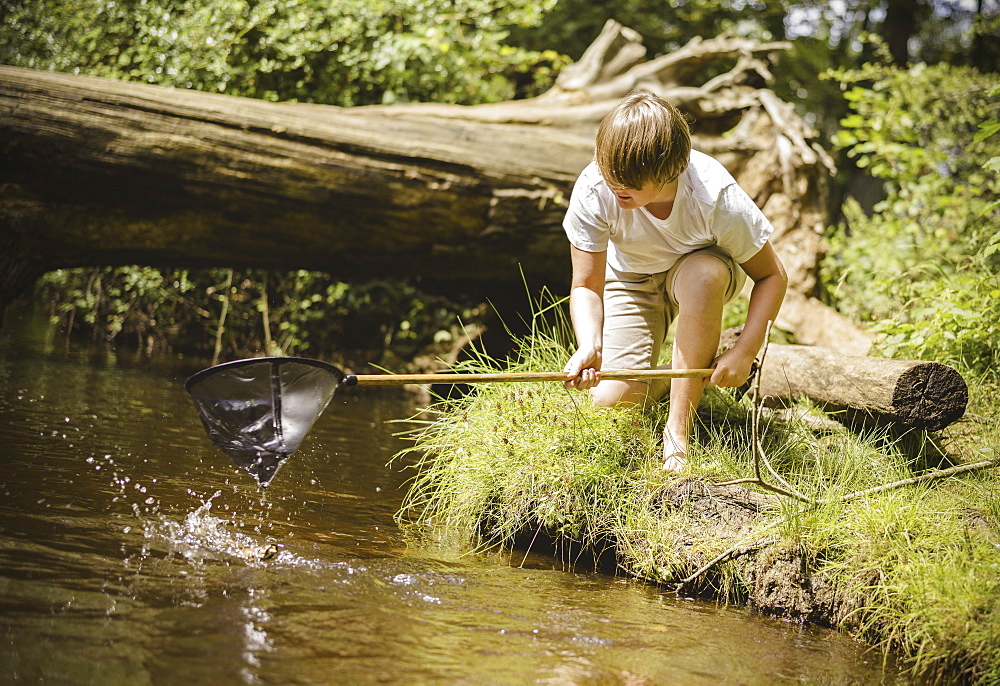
[759, 456]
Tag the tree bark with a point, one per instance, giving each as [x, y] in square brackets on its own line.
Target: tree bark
[898, 27]
[908, 393]
[102, 172]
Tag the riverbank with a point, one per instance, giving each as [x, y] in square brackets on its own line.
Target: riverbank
[911, 570]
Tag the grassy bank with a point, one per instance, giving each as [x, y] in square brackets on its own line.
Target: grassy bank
[915, 570]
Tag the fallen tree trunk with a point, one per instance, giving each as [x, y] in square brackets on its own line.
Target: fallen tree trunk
[103, 172]
[910, 393]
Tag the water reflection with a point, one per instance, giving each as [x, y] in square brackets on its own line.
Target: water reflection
[132, 551]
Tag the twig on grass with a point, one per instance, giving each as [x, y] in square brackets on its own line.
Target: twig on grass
[732, 553]
[784, 488]
[759, 456]
[923, 478]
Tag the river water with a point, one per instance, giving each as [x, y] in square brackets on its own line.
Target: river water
[129, 554]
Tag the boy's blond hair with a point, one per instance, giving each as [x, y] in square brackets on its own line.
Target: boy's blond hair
[643, 139]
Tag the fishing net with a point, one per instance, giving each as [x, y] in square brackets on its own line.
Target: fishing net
[258, 411]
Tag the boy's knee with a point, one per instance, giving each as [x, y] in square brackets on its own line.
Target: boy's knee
[702, 277]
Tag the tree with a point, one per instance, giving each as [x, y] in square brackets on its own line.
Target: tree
[352, 52]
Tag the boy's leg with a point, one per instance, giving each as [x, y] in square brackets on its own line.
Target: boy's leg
[701, 286]
[634, 326]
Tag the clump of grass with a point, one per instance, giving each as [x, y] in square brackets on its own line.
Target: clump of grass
[922, 580]
[512, 457]
[917, 569]
[913, 570]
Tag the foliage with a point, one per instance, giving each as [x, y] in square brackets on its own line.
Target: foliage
[572, 25]
[387, 323]
[352, 52]
[142, 304]
[823, 35]
[962, 33]
[911, 570]
[923, 268]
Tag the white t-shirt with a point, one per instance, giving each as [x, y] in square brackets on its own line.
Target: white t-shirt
[710, 209]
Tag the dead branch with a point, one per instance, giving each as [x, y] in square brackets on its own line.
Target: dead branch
[759, 455]
[923, 478]
[783, 488]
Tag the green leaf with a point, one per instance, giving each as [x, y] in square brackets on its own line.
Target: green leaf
[988, 128]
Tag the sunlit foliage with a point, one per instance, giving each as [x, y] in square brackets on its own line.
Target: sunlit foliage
[349, 52]
[923, 267]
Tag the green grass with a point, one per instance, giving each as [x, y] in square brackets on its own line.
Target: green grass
[915, 570]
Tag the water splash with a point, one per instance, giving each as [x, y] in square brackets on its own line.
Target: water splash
[214, 531]
[202, 536]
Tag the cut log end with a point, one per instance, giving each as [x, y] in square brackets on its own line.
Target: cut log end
[930, 396]
[863, 390]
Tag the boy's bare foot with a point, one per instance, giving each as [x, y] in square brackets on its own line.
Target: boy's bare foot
[674, 453]
[675, 462]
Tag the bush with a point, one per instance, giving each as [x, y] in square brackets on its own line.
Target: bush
[923, 267]
[382, 322]
[352, 52]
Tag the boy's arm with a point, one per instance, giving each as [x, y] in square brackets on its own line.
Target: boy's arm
[586, 308]
[770, 281]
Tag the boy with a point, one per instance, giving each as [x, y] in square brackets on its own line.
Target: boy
[660, 232]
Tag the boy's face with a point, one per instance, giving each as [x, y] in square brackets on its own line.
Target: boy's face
[651, 192]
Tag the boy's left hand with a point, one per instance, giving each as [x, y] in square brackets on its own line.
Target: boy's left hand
[732, 369]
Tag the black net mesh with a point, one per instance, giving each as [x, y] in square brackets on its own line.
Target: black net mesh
[258, 411]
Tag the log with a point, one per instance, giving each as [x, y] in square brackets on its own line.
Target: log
[862, 390]
[105, 172]
[102, 172]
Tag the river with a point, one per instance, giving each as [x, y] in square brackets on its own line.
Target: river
[129, 554]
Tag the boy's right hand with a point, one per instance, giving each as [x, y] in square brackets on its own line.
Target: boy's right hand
[584, 369]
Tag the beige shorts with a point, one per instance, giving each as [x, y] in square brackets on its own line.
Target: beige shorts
[639, 308]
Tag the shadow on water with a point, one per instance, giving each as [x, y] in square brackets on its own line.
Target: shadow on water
[132, 551]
